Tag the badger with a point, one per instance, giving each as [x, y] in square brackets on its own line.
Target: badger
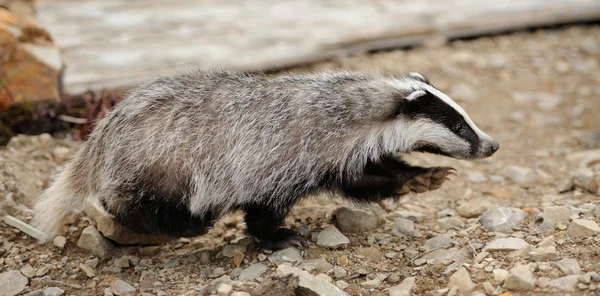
[181, 151]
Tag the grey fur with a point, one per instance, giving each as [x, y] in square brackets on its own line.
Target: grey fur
[225, 139]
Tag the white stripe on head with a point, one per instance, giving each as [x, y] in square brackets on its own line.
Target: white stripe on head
[446, 99]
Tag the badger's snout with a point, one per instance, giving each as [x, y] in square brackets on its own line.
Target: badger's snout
[489, 147]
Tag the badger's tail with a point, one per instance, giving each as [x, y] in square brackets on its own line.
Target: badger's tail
[55, 203]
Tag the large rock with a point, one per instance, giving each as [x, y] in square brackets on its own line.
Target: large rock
[502, 219]
[112, 229]
[92, 241]
[31, 63]
[308, 281]
[12, 282]
[352, 220]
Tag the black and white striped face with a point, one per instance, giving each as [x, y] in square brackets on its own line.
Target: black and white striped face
[441, 126]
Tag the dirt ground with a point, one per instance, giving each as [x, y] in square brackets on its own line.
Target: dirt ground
[537, 93]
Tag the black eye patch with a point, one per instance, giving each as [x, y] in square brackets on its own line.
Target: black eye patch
[431, 107]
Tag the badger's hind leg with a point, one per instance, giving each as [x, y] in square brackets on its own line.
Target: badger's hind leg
[264, 222]
[150, 211]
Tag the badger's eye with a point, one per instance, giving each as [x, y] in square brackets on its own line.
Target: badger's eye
[458, 128]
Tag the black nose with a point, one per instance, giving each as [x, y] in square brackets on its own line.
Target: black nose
[495, 146]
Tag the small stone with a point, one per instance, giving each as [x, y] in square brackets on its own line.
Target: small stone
[121, 262]
[506, 244]
[566, 283]
[310, 282]
[588, 181]
[339, 272]
[42, 271]
[461, 280]
[352, 220]
[568, 266]
[343, 260]
[252, 272]
[595, 276]
[331, 237]
[341, 284]
[374, 283]
[500, 219]
[91, 240]
[217, 272]
[393, 278]
[149, 250]
[120, 287]
[371, 253]
[53, 291]
[554, 215]
[543, 282]
[88, 270]
[544, 254]
[405, 288]
[59, 242]
[240, 294]
[476, 177]
[224, 290]
[12, 282]
[450, 223]
[473, 208]
[585, 278]
[488, 287]
[547, 242]
[230, 250]
[583, 228]
[520, 175]
[286, 255]
[403, 227]
[500, 275]
[112, 269]
[440, 242]
[520, 278]
[28, 271]
[414, 216]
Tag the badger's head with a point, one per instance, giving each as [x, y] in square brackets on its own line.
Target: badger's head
[434, 123]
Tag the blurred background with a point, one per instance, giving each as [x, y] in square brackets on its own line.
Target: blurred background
[527, 72]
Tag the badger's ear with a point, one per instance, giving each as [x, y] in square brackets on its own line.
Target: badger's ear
[415, 95]
[402, 100]
[419, 77]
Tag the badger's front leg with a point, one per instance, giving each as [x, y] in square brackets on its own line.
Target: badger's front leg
[391, 177]
[264, 222]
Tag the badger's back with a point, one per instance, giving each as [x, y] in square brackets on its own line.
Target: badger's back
[211, 141]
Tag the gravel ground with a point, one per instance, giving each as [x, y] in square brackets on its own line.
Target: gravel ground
[521, 222]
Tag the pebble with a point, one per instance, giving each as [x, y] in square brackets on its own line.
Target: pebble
[339, 272]
[53, 291]
[595, 276]
[588, 181]
[374, 283]
[554, 215]
[501, 219]
[597, 212]
[583, 228]
[520, 175]
[476, 177]
[92, 241]
[88, 270]
[500, 275]
[310, 282]
[403, 227]
[286, 255]
[405, 288]
[440, 242]
[450, 223]
[59, 242]
[506, 244]
[352, 220]
[42, 271]
[566, 283]
[252, 272]
[229, 251]
[28, 271]
[473, 208]
[12, 282]
[341, 284]
[543, 282]
[520, 278]
[120, 287]
[410, 215]
[121, 262]
[463, 92]
[331, 237]
[568, 266]
[371, 253]
[240, 294]
[544, 254]
[393, 278]
[461, 280]
[224, 290]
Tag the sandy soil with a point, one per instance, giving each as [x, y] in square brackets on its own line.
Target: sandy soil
[537, 93]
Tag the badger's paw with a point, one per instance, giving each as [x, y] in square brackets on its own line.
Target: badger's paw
[430, 179]
[283, 238]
